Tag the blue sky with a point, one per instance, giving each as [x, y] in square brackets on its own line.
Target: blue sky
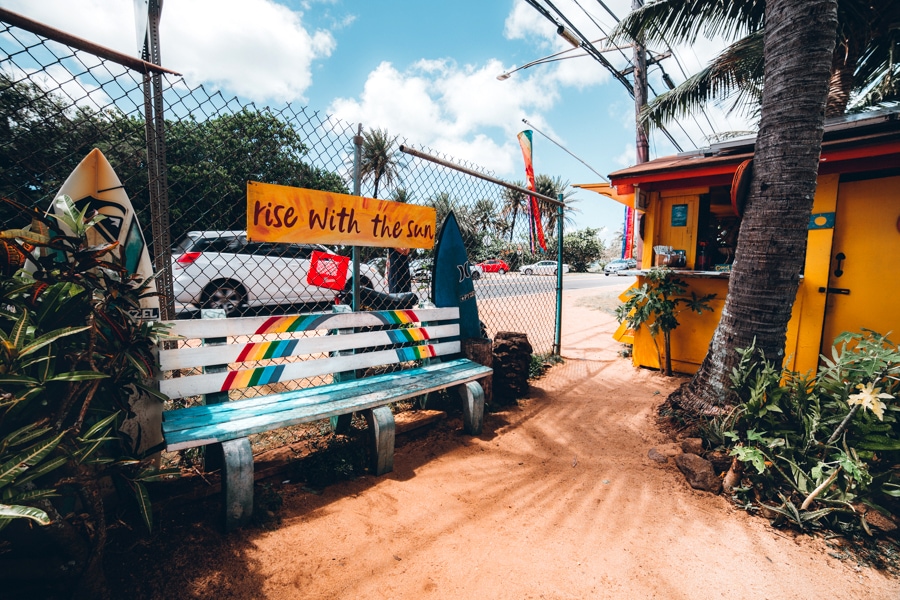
[425, 70]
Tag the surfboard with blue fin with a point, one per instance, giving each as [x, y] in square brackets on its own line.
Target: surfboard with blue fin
[451, 281]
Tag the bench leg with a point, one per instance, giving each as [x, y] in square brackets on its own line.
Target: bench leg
[237, 482]
[341, 423]
[472, 396]
[381, 432]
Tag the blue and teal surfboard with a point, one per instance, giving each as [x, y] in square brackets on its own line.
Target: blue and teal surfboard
[451, 281]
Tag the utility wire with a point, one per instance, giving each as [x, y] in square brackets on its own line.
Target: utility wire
[566, 150]
[590, 49]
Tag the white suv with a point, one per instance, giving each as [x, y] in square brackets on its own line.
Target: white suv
[221, 269]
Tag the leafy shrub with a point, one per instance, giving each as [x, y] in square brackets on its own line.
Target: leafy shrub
[71, 359]
[655, 303]
[819, 451]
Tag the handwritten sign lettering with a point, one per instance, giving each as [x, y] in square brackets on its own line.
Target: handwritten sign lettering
[277, 213]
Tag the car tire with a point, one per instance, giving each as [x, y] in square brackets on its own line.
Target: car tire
[475, 274]
[529, 272]
[227, 295]
[606, 274]
[554, 272]
[502, 271]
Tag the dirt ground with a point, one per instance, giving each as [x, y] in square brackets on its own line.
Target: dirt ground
[557, 499]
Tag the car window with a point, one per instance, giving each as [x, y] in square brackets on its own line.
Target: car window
[262, 249]
[203, 244]
[298, 251]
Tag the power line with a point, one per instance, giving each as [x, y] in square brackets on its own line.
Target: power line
[592, 50]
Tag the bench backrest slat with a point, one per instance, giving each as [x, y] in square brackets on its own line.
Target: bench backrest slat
[180, 387]
[260, 350]
[210, 328]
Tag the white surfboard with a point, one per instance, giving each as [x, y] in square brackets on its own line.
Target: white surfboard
[94, 182]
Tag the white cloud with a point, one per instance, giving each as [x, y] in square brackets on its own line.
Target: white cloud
[441, 105]
[258, 49]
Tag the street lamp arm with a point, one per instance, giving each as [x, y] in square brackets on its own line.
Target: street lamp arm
[547, 59]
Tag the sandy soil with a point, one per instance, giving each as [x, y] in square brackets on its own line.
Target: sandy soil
[557, 499]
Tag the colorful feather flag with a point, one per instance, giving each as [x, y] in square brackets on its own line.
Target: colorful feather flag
[535, 229]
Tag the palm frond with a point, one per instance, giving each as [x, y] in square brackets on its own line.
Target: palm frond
[735, 74]
[682, 21]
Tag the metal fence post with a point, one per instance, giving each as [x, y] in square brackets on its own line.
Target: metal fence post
[557, 332]
[357, 156]
[155, 125]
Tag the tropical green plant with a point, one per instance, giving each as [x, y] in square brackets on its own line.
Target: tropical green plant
[819, 451]
[72, 360]
[655, 303]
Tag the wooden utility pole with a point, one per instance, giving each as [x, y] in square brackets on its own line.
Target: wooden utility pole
[642, 144]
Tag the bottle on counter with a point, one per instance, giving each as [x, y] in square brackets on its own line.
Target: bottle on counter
[703, 263]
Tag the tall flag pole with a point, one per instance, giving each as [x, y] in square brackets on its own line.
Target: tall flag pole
[535, 229]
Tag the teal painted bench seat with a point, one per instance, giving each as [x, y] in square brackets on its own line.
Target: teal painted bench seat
[219, 357]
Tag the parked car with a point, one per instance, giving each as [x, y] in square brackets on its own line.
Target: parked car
[544, 267]
[420, 269]
[620, 264]
[221, 269]
[494, 265]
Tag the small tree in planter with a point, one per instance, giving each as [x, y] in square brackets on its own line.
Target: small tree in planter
[71, 356]
[656, 305]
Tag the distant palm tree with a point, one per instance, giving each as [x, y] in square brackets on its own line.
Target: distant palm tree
[513, 203]
[379, 158]
[484, 215]
[401, 195]
[553, 187]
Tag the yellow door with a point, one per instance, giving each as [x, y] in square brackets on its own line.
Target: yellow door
[864, 276]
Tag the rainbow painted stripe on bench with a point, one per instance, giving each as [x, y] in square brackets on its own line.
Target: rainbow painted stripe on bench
[255, 351]
[273, 373]
[313, 322]
[416, 352]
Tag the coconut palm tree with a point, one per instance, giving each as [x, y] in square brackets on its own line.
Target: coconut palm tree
[553, 187]
[379, 158]
[799, 45]
[514, 202]
[867, 40]
[484, 215]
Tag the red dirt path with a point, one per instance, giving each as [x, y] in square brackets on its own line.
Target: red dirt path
[556, 500]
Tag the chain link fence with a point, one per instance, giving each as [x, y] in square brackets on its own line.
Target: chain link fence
[59, 101]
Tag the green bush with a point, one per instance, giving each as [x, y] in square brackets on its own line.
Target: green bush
[819, 451]
[71, 359]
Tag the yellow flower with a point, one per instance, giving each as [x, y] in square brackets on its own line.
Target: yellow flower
[868, 398]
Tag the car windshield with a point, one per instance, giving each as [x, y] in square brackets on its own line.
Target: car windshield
[203, 244]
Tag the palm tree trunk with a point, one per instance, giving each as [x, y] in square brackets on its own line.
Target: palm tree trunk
[799, 42]
[512, 228]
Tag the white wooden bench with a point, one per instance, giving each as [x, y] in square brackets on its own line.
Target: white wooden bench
[235, 354]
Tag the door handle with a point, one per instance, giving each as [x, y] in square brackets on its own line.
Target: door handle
[832, 290]
[840, 257]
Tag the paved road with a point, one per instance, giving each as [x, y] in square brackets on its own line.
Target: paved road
[493, 285]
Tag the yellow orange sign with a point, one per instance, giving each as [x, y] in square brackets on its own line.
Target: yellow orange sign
[278, 213]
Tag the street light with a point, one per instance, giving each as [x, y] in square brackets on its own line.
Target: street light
[556, 57]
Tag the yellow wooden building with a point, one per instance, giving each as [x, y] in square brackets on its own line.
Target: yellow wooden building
[690, 202]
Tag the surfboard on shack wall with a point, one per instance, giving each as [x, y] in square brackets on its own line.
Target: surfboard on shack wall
[451, 281]
[94, 182]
